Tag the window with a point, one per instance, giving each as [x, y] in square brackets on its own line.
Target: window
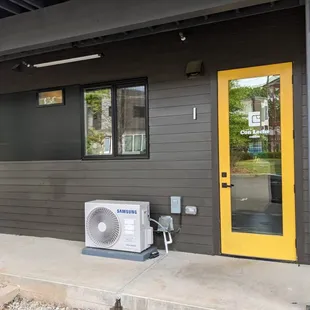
[115, 120]
[52, 97]
[133, 144]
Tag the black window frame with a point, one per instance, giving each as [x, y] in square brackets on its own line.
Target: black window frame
[114, 85]
[63, 91]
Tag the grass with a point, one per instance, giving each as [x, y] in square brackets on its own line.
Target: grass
[258, 166]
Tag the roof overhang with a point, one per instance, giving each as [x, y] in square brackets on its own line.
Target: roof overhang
[79, 20]
[15, 7]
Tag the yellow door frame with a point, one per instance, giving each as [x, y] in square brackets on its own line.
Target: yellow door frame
[248, 244]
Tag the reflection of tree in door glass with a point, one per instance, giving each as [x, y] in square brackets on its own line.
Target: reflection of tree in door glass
[255, 155]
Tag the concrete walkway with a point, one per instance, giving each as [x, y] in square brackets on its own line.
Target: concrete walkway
[55, 270]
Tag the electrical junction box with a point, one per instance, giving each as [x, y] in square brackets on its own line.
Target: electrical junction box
[167, 222]
[191, 210]
[175, 204]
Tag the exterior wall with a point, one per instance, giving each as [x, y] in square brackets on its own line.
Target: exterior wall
[33, 133]
[305, 221]
[46, 198]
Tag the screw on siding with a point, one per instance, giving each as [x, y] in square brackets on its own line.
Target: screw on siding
[118, 305]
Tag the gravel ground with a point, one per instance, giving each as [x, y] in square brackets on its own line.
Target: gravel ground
[23, 304]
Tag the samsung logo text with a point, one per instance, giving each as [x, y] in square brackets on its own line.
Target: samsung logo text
[126, 211]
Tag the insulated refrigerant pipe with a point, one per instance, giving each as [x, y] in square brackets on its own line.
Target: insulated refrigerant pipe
[164, 234]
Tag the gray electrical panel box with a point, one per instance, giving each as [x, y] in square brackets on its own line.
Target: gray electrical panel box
[175, 204]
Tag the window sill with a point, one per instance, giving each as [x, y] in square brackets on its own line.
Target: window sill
[109, 157]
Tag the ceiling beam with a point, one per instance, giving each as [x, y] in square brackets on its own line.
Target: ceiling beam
[10, 7]
[23, 4]
[36, 3]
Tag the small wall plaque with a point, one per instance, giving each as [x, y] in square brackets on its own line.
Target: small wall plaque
[51, 97]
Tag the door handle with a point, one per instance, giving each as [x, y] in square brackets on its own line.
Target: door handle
[225, 185]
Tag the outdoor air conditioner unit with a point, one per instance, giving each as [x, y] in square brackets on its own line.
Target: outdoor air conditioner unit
[118, 225]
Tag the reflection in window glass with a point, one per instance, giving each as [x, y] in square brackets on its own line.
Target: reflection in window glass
[137, 143]
[107, 145]
[255, 155]
[128, 143]
[131, 124]
[98, 121]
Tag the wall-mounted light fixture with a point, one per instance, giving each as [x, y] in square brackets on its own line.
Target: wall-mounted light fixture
[194, 68]
[182, 36]
[21, 66]
[66, 61]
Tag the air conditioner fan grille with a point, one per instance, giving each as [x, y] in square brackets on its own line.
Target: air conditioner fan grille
[108, 236]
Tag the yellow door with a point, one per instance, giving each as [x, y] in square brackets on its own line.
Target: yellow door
[256, 162]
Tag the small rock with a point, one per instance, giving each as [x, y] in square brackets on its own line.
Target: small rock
[23, 304]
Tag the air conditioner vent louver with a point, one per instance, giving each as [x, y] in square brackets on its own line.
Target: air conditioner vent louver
[103, 227]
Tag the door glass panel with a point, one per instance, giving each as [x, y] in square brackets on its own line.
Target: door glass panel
[255, 155]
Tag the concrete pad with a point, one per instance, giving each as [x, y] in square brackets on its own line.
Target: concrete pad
[62, 261]
[55, 270]
[213, 282]
[7, 294]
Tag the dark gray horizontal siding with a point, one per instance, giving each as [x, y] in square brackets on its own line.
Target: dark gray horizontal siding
[49, 220]
[305, 166]
[75, 193]
[106, 183]
[181, 137]
[179, 102]
[160, 86]
[78, 212]
[104, 165]
[112, 174]
[179, 147]
[179, 164]
[188, 91]
[49, 196]
[182, 119]
[37, 223]
[22, 200]
[32, 230]
[20, 211]
[201, 155]
[61, 209]
[179, 129]
[195, 248]
[182, 110]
